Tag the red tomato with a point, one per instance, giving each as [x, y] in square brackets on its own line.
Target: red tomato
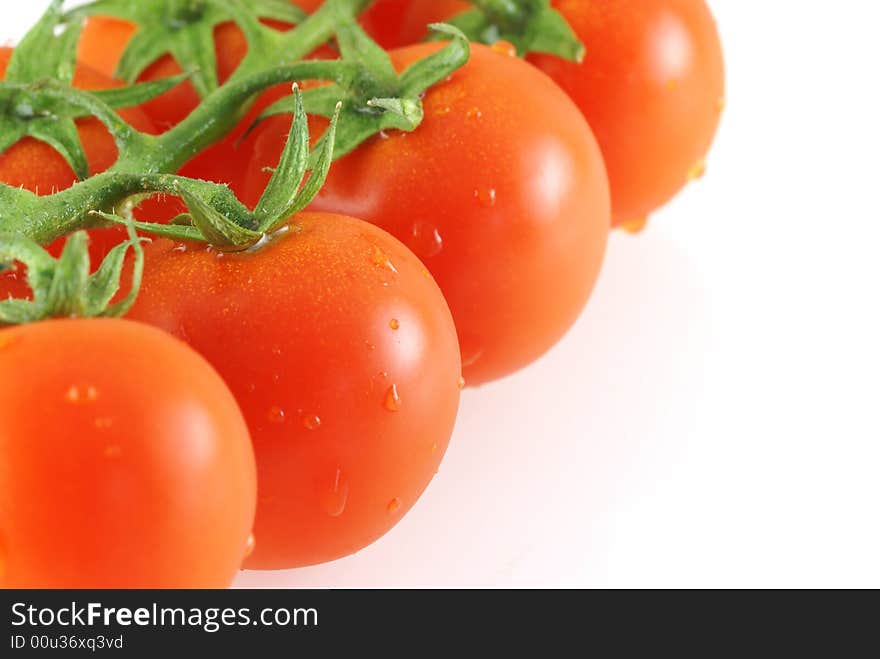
[39, 168]
[501, 192]
[124, 461]
[652, 88]
[342, 353]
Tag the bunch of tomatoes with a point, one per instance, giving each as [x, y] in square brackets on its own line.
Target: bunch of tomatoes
[287, 405]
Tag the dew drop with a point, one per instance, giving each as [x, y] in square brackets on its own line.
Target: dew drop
[179, 248]
[697, 171]
[91, 394]
[394, 324]
[442, 111]
[370, 346]
[475, 113]
[392, 399]
[381, 260]
[486, 196]
[427, 241]
[504, 48]
[635, 226]
[336, 497]
[311, 422]
[461, 383]
[72, 395]
[250, 545]
[434, 448]
[393, 506]
[276, 415]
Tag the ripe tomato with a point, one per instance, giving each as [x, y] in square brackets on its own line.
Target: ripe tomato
[501, 192]
[124, 461]
[652, 88]
[342, 353]
[37, 167]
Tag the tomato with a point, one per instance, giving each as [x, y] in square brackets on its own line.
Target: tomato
[652, 88]
[342, 354]
[501, 192]
[38, 167]
[124, 461]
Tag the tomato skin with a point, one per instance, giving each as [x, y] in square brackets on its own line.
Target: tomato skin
[124, 461]
[651, 87]
[516, 253]
[342, 354]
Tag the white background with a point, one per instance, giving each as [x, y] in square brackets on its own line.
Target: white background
[713, 420]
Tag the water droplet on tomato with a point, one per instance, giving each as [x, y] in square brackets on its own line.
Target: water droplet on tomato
[427, 241]
[475, 113]
[72, 395]
[394, 324]
[434, 448]
[442, 111]
[393, 506]
[461, 383]
[102, 423]
[250, 545]
[91, 394]
[311, 421]
[335, 498]
[381, 260]
[486, 196]
[697, 171]
[276, 350]
[392, 399]
[635, 226]
[370, 346]
[276, 415]
[179, 248]
[504, 48]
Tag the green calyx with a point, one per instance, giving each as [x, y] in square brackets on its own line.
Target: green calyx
[216, 217]
[532, 26]
[64, 287]
[376, 97]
